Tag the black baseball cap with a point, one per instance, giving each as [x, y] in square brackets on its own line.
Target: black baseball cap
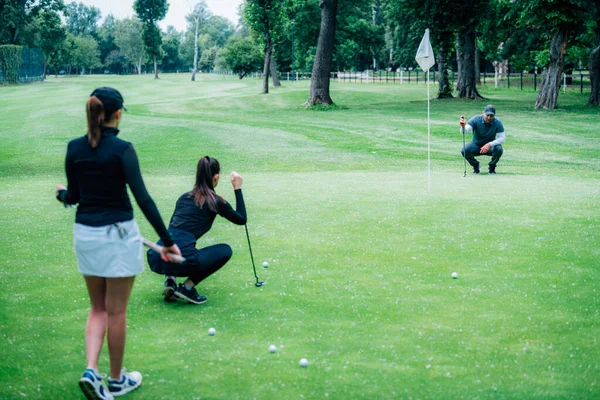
[110, 98]
[489, 110]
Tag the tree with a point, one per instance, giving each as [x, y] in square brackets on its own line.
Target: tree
[128, 36]
[319, 83]
[242, 56]
[15, 15]
[86, 54]
[594, 62]
[82, 19]
[264, 17]
[199, 13]
[150, 12]
[554, 19]
[441, 17]
[470, 13]
[52, 35]
[106, 43]
[171, 44]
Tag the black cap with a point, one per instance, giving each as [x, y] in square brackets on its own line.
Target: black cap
[110, 98]
[489, 110]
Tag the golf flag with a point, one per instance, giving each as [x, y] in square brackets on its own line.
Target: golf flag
[426, 60]
[425, 57]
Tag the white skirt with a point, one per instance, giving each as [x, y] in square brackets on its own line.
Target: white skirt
[111, 251]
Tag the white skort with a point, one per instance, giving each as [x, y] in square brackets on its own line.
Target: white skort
[111, 251]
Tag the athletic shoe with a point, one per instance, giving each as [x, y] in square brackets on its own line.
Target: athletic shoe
[169, 291]
[92, 386]
[129, 381]
[476, 169]
[190, 295]
[492, 170]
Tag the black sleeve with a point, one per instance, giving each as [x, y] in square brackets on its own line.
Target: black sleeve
[71, 195]
[237, 216]
[133, 177]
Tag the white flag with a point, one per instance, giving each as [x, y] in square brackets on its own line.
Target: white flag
[425, 57]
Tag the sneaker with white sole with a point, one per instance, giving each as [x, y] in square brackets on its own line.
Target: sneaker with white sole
[191, 295]
[92, 386]
[129, 381]
[169, 291]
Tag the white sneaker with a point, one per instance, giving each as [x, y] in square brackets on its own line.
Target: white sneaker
[92, 386]
[129, 381]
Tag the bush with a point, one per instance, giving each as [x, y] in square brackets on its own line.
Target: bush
[10, 61]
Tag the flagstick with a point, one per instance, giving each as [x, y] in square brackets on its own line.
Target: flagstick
[428, 141]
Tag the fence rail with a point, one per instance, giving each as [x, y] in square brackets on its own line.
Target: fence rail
[576, 80]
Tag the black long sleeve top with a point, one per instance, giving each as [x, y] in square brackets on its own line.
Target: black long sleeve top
[97, 179]
[191, 218]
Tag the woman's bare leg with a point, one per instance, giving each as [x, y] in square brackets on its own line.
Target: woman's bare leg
[117, 298]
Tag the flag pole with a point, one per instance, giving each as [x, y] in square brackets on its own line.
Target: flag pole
[428, 140]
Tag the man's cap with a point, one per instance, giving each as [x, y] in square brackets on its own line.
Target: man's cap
[110, 98]
[489, 110]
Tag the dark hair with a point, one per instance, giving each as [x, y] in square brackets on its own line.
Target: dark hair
[204, 191]
[96, 118]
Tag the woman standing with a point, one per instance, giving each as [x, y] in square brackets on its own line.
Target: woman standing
[107, 239]
[194, 215]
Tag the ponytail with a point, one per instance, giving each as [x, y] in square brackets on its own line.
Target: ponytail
[95, 120]
[204, 191]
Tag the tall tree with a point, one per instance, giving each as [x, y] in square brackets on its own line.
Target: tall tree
[150, 12]
[199, 13]
[128, 36]
[106, 42]
[86, 54]
[441, 17]
[52, 35]
[594, 62]
[321, 72]
[554, 19]
[15, 15]
[82, 19]
[171, 43]
[264, 18]
[470, 13]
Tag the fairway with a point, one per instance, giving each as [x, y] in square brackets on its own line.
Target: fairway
[360, 254]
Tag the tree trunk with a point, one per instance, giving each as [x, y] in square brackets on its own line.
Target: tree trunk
[267, 64]
[549, 88]
[477, 65]
[459, 62]
[319, 82]
[196, 51]
[594, 68]
[274, 75]
[139, 67]
[467, 87]
[444, 90]
[155, 69]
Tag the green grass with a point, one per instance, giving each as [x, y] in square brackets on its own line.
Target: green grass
[360, 254]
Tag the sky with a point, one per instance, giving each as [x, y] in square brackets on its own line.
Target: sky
[176, 14]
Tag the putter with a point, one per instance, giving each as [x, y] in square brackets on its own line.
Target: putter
[258, 283]
[464, 156]
[158, 248]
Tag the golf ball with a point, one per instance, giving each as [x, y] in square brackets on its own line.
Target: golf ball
[272, 348]
[265, 264]
[212, 331]
[454, 275]
[304, 362]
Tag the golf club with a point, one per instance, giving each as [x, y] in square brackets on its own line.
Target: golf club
[258, 283]
[158, 248]
[463, 135]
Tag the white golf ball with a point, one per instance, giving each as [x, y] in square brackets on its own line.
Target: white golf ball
[272, 348]
[212, 331]
[454, 275]
[304, 362]
[265, 264]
